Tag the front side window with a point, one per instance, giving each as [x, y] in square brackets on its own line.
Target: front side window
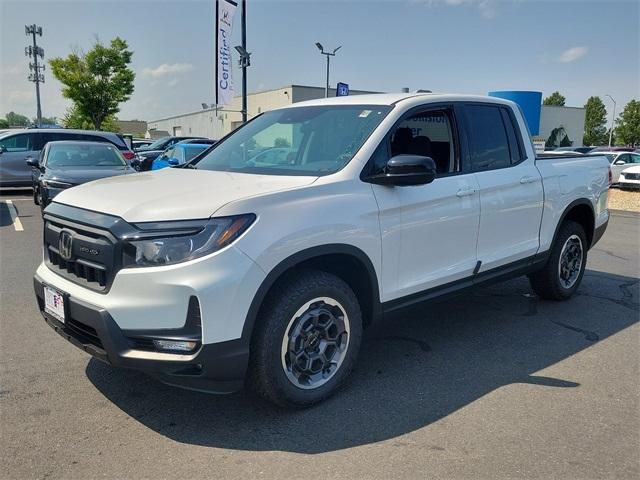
[23, 142]
[83, 155]
[624, 158]
[488, 144]
[315, 140]
[428, 134]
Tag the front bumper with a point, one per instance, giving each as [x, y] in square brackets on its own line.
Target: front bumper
[215, 367]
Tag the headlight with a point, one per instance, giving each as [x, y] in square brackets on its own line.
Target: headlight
[55, 184]
[171, 246]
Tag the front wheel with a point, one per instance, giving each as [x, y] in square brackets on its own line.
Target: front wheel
[562, 274]
[307, 339]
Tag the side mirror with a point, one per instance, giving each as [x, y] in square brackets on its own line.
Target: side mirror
[33, 162]
[173, 161]
[406, 170]
[619, 162]
[2, 149]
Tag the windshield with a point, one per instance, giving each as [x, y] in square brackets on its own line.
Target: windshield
[83, 155]
[314, 141]
[157, 145]
[610, 156]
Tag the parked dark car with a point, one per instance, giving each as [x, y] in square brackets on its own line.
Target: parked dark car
[18, 145]
[65, 164]
[146, 155]
[138, 144]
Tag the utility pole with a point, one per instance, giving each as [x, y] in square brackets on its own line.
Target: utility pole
[328, 54]
[245, 59]
[612, 118]
[34, 51]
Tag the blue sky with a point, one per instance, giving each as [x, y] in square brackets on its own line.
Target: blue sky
[580, 48]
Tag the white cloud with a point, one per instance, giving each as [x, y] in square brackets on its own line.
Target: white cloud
[12, 70]
[167, 69]
[487, 8]
[572, 54]
[173, 82]
[20, 97]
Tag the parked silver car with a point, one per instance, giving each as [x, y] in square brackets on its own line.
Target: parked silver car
[619, 161]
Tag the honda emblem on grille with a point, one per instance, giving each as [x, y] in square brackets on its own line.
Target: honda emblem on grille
[65, 242]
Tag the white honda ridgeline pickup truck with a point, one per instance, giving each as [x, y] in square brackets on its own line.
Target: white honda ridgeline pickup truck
[263, 259]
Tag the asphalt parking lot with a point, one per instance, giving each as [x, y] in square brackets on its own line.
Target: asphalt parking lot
[492, 385]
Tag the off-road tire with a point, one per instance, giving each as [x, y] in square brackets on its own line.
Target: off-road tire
[267, 375]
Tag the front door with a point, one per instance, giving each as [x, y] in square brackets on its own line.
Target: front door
[429, 232]
[14, 170]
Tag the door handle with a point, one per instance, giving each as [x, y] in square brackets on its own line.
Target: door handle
[465, 192]
[528, 179]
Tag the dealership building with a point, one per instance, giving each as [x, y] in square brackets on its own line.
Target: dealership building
[553, 125]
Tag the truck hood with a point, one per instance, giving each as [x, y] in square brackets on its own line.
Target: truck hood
[173, 193]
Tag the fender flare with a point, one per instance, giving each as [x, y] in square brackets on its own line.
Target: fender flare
[568, 208]
[302, 256]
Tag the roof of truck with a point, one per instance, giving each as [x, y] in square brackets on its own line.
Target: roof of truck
[393, 98]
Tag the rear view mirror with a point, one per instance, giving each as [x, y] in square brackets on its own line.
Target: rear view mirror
[173, 161]
[406, 170]
[619, 162]
[2, 149]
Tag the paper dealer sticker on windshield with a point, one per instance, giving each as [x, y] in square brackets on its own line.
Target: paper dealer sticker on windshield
[364, 113]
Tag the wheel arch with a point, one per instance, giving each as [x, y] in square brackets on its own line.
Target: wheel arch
[582, 212]
[345, 261]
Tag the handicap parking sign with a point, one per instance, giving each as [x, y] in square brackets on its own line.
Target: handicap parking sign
[342, 90]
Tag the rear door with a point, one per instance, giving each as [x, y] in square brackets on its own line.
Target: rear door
[511, 195]
[429, 232]
[14, 170]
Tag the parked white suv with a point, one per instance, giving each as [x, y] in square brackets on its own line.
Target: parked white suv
[265, 268]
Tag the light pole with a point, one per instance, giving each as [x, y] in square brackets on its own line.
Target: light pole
[328, 54]
[612, 118]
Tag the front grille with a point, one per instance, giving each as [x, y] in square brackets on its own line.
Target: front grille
[632, 176]
[91, 273]
[92, 260]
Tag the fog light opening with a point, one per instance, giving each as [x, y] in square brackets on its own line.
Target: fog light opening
[175, 346]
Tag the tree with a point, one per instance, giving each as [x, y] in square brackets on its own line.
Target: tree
[595, 122]
[47, 120]
[17, 120]
[281, 142]
[555, 98]
[4, 123]
[627, 130]
[96, 81]
[74, 119]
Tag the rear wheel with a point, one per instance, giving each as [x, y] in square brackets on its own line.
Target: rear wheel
[307, 339]
[562, 274]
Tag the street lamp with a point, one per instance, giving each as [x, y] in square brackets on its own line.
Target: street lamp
[328, 54]
[612, 118]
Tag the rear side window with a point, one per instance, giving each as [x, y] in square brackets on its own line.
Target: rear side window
[488, 142]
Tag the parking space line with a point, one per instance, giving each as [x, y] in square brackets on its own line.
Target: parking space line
[17, 224]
